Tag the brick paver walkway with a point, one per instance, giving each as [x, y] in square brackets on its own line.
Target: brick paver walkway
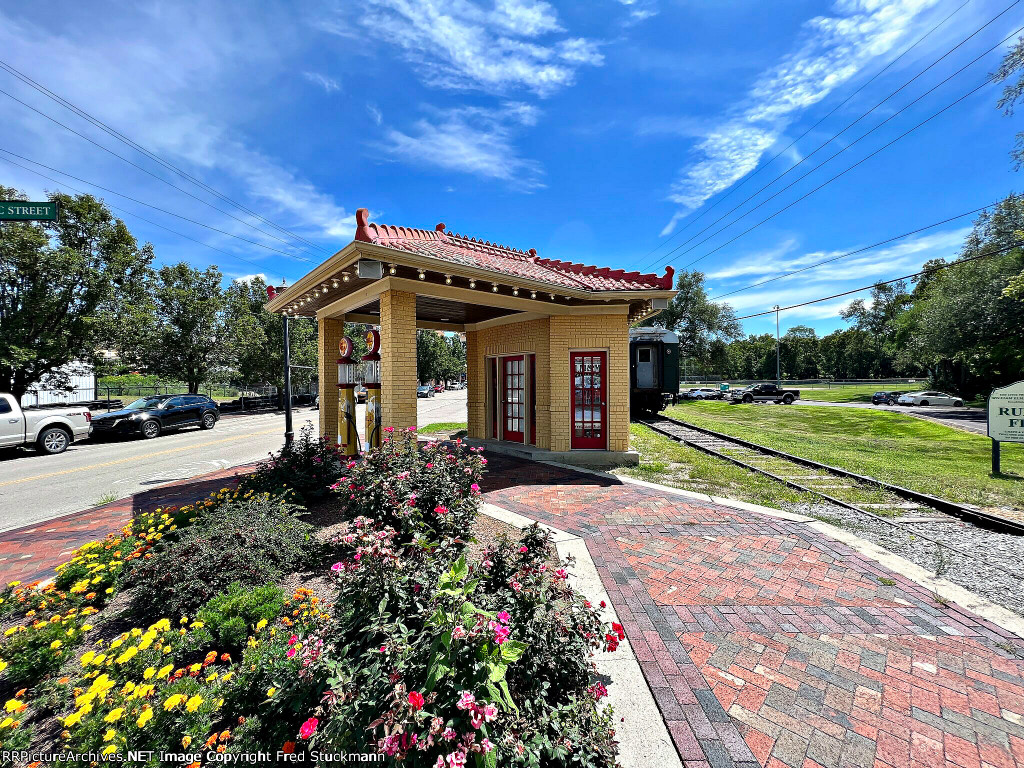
[32, 552]
[766, 643]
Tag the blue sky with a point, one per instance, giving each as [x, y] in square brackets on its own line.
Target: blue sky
[592, 130]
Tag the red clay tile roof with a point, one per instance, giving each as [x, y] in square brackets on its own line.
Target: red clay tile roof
[471, 252]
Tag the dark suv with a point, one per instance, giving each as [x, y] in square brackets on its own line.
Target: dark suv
[149, 416]
[885, 398]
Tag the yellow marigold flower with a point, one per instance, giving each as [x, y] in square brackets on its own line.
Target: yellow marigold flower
[144, 717]
[128, 655]
[13, 705]
[13, 583]
[3, 665]
[185, 741]
[128, 688]
[97, 660]
[117, 643]
[109, 750]
[148, 674]
[195, 667]
[270, 692]
[183, 620]
[7, 723]
[110, 734]
[86, 627]
[227, 676]
[165, 671]
[73, 719]
[114, 715]
[10, 631]
[173, 701]
[193, 703]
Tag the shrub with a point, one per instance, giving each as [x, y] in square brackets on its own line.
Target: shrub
[251, 540]
[430, 491]
[229, 617]
[307, 467]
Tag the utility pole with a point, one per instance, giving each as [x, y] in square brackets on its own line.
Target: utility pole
[778, 366]
[289, 433]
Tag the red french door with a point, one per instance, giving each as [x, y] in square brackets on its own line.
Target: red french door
[589, 399]
[513, 399]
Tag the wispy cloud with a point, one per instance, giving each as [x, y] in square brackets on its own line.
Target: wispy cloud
[832, 50]
[329, 84]
[640, 10]
[375, 113]
[458, 44]
[476, 141]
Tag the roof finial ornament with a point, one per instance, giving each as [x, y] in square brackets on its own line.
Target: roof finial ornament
[533, 253]
[439, 227]
[362, 219]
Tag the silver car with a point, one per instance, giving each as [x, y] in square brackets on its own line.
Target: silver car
[930, 397]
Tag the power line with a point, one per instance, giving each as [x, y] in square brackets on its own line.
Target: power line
[926, 271]
[121, 137]
[131, 213]
[841, 151]
[831, 112]
[148, 205]
[829, 180]
[853, 253]
[147, 171]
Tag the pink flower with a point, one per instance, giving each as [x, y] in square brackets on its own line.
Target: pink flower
[337, 567]
[503, 617]
[515, 585]
[459, 632]
[475, 487]
[501, 634]
[486, 745]
[383, 649]
[449, 734]
[293, 640]
[466, 700]
[476, 717]
[457, 759]
[441, 510]
[439, 763]
[416, 700]
[490, 712]
[291, 653]
[308, 728]
[429, 465]
[523, 550]
[389, 429]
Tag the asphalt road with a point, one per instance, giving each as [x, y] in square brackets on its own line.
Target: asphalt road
[35, 488]
[965, 417]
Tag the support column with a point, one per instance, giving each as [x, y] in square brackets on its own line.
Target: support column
[398, 380]
[329, 333]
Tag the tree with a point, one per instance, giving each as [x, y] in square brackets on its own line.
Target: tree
[188, 335]
[256, 337]
[64, 286]
[1012, 64]
[439, 357]
[798, 351]
[697, 321]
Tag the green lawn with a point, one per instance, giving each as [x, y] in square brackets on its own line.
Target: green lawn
[892, 447]
[441, 426]
[670, 463]
[855, 393]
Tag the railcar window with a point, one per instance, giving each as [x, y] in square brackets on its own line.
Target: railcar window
[643, 355]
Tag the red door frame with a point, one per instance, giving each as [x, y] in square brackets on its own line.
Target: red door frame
[493, 386]
[512, 389]
[589, 397]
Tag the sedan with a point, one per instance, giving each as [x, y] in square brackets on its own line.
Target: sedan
[439, 387]
[703, 393]
[929, 398]
[425, 391]
[885, 398]
[150, 416]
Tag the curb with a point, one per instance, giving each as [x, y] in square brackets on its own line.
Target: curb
[643, 738]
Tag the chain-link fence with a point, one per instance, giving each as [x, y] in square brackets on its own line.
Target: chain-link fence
[112, 398]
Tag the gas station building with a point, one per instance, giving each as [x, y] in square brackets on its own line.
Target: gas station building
[547, 341]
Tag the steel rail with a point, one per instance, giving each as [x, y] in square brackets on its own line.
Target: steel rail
[652, 423]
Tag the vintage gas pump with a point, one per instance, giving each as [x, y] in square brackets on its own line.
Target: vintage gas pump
[372, 384]
[348, 437]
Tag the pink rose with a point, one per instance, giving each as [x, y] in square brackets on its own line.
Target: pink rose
[308, 728]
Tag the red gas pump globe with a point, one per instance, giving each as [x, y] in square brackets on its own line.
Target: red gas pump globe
[373, 341]
[346, 347]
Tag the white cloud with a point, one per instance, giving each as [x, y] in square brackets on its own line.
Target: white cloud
[832, 50]
[458, 44]
[375, 113]
[469, 140]
[329, 84]
[640, 10]
[249, 278]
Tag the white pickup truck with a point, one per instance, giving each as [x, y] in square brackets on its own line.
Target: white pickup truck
[50, 430]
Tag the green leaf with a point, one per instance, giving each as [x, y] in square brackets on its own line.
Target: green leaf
[512, 650]
[497, 672]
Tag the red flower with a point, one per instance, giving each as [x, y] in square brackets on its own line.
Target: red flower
[308, 728]
[288, 748]
[416, 700]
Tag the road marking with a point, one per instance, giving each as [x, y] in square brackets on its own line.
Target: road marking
[135, 458]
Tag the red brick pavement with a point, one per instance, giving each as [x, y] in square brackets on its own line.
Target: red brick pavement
[32, 552]
[766, 643]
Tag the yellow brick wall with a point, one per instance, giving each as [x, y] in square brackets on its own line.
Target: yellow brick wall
[398, 359]
[530, 337]
[329, 333]
[590, 332]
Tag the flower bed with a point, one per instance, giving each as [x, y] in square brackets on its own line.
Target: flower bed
[412, 650]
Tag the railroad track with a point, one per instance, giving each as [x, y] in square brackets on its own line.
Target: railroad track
[894, 505]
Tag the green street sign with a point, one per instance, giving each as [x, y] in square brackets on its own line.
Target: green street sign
[19, 210]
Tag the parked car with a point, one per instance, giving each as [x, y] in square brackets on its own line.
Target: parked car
[150, 416]
[764, 393]
[929, 398]
[702, 393]
[50, 429]
[885, 398]
[439, 387]
[425, 391]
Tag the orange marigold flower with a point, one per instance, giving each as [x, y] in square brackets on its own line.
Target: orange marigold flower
[225, 657]
[288, 748]
[221, 748]
[212, 740]
[225, 735]
[21, 693]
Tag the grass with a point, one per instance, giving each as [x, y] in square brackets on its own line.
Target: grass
[107, 498]
[441, 426]
[854, 393]
[892, 447]
[670, 463]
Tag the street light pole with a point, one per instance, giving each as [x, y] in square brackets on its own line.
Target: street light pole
[289, 433]
[778, 366]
